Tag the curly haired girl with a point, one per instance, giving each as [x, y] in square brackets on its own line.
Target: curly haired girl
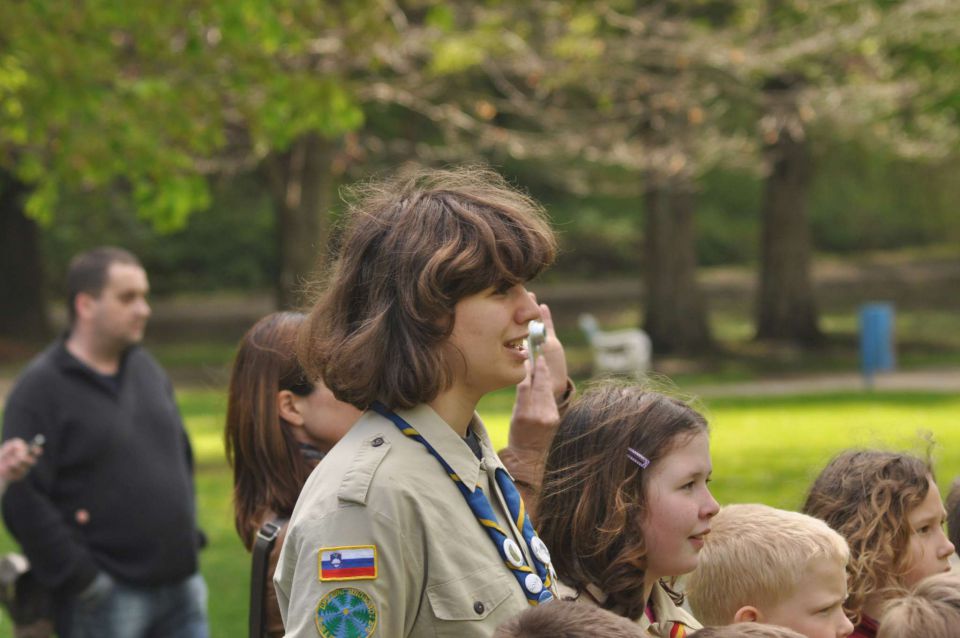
[887, 505]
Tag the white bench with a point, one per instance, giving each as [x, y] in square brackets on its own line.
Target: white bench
[617, 351]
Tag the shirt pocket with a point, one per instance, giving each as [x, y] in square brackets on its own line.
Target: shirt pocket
[479, 599]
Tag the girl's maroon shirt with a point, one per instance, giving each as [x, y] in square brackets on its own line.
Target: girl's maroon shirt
[866, 629]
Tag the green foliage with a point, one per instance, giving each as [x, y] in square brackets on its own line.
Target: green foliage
[455, 54]
[728, 207]
[232, 246]
[866, 199]
[598, 236]
[140, 103]
[157, 94]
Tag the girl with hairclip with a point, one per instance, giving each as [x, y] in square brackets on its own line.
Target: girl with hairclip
[411, 525]
[887, 505]
[625, 504]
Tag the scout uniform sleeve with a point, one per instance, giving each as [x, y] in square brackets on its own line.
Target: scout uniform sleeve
[348, 573]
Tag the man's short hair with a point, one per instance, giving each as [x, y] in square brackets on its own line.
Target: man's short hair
[746, 630]
[757, 555]
[932, 610]
[87, 273]
[569, 619]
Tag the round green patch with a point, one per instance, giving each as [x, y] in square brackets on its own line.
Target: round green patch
[346, 613]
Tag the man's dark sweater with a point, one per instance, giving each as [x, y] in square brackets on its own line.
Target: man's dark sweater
[113, 490]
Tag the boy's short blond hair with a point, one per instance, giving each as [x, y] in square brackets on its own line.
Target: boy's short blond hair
[932, 610]
[756, 555]
[746, 630]
[569, 619]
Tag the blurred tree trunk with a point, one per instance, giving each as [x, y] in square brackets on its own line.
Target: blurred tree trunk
[676, 316]
[786, 307]
[23, 304]
[301, 185]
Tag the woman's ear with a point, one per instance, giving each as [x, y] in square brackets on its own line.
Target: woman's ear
[747, 614]
[288, 408]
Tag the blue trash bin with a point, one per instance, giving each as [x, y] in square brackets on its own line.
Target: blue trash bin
[876, 339]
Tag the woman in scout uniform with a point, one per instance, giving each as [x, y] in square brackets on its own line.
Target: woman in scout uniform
[279, 425]
[411, 526]
[625, 503]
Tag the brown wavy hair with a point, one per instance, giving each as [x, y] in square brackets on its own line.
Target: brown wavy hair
[594, 497]
[268, 467]
[866, 495]
[414, 246]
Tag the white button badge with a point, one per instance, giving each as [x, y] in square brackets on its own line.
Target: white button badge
[512, 551]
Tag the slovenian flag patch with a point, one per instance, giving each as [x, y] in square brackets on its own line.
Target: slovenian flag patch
[358, 562]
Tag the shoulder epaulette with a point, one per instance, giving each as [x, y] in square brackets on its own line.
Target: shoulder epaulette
[356, 480]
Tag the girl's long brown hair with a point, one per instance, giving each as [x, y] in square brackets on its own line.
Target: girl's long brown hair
[594, 497]
[866, 496]
[268, 468]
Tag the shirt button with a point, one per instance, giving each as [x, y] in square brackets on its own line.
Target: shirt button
[478, 607]
[377, 442]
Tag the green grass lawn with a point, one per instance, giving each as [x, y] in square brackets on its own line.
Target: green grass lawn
[764, 450]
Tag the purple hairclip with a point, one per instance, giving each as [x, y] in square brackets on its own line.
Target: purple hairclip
[637, 458]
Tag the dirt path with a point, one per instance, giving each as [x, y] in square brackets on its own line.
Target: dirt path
[934, 380]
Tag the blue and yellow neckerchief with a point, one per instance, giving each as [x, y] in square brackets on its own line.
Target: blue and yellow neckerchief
[536, 586]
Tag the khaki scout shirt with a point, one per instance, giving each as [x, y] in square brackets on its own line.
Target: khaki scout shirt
[437, 571]
[666, 611]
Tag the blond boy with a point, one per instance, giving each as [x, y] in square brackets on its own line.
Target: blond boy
[761, 564]
[746, 630]
[932, 610]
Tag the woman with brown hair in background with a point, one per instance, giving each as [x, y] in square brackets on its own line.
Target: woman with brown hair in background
[279, 426]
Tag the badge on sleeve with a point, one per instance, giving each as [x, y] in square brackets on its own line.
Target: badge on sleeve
[356, 562]
[346, 613]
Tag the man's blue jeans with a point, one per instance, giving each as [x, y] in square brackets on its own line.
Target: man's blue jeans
[109, 609]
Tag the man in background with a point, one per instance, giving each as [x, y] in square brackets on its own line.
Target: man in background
[107, 516]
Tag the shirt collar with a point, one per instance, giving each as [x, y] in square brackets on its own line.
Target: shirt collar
[667, 613]
[448, 443]
[69, 363]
